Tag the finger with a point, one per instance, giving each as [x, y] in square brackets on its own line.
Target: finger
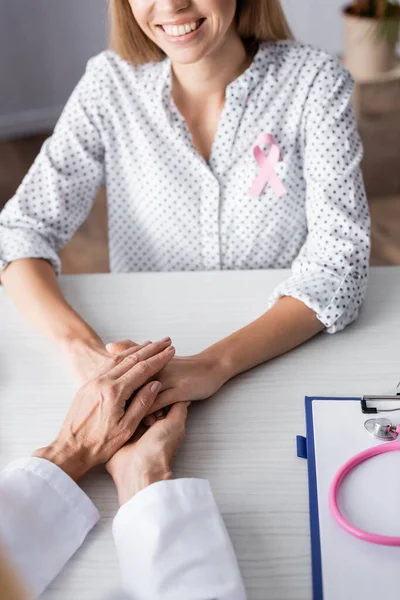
[177, 414]
[173, 426]
[132, 350]
[114, 360]
[151, 348]
[134, 356]
[137, 350]
[167, 398]
[117, 347]
[140, 373]
[141, 404]
[147, 351]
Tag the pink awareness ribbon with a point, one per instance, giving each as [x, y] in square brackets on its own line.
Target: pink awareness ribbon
[267, 166]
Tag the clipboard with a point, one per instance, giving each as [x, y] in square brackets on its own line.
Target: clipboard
[343, 567]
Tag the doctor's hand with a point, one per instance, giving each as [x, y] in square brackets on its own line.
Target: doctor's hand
[184, 379]
[148, 457]
[108, 409]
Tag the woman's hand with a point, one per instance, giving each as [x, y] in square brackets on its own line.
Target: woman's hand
[105, 413]
[184, 379]
[87, 358]
[149, 456]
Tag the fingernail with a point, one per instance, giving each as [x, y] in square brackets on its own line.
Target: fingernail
[147, 342]
[167, 339]
[155, 387]
[170, 349]
[188, 404]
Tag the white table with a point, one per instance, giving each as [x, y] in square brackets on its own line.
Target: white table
[243, 440]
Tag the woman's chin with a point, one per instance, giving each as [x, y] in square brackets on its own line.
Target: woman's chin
[185, 58]
[189, 55]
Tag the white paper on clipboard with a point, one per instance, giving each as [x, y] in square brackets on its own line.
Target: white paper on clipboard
[370, 498]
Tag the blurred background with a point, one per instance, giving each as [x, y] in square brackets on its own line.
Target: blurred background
[44, 47]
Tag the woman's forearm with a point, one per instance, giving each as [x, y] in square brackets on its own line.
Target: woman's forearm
[285, 326]
[33, 287]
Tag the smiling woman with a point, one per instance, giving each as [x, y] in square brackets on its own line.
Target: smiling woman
[224, 145]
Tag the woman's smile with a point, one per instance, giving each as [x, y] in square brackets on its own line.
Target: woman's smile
[181, 32]
[189, 31]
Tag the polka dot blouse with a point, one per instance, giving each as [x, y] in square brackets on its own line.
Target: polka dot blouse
[170, 210]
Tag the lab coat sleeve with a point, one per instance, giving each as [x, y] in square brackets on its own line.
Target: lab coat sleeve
[172, 544]
[44, 518]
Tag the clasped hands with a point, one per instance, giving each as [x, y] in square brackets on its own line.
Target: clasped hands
[183, 379]
[108, 422]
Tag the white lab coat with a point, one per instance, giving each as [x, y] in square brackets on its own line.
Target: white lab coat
[171, 540]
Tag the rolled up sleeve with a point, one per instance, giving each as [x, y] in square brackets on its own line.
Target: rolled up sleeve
[57, 194]
[330, 273]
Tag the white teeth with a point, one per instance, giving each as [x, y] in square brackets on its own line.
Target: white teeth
[178, 31]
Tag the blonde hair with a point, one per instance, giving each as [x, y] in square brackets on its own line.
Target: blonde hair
[257, 21]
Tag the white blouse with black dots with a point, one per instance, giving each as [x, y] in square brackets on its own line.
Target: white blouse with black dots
[169, 210]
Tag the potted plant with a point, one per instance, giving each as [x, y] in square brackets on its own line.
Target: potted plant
[372, 28]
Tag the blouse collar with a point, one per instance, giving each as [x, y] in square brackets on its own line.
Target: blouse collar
[246, 82]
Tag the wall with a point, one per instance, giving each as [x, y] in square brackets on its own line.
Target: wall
[44, 46]
[317, 22]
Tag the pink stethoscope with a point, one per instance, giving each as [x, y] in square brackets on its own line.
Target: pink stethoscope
[381, 429]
